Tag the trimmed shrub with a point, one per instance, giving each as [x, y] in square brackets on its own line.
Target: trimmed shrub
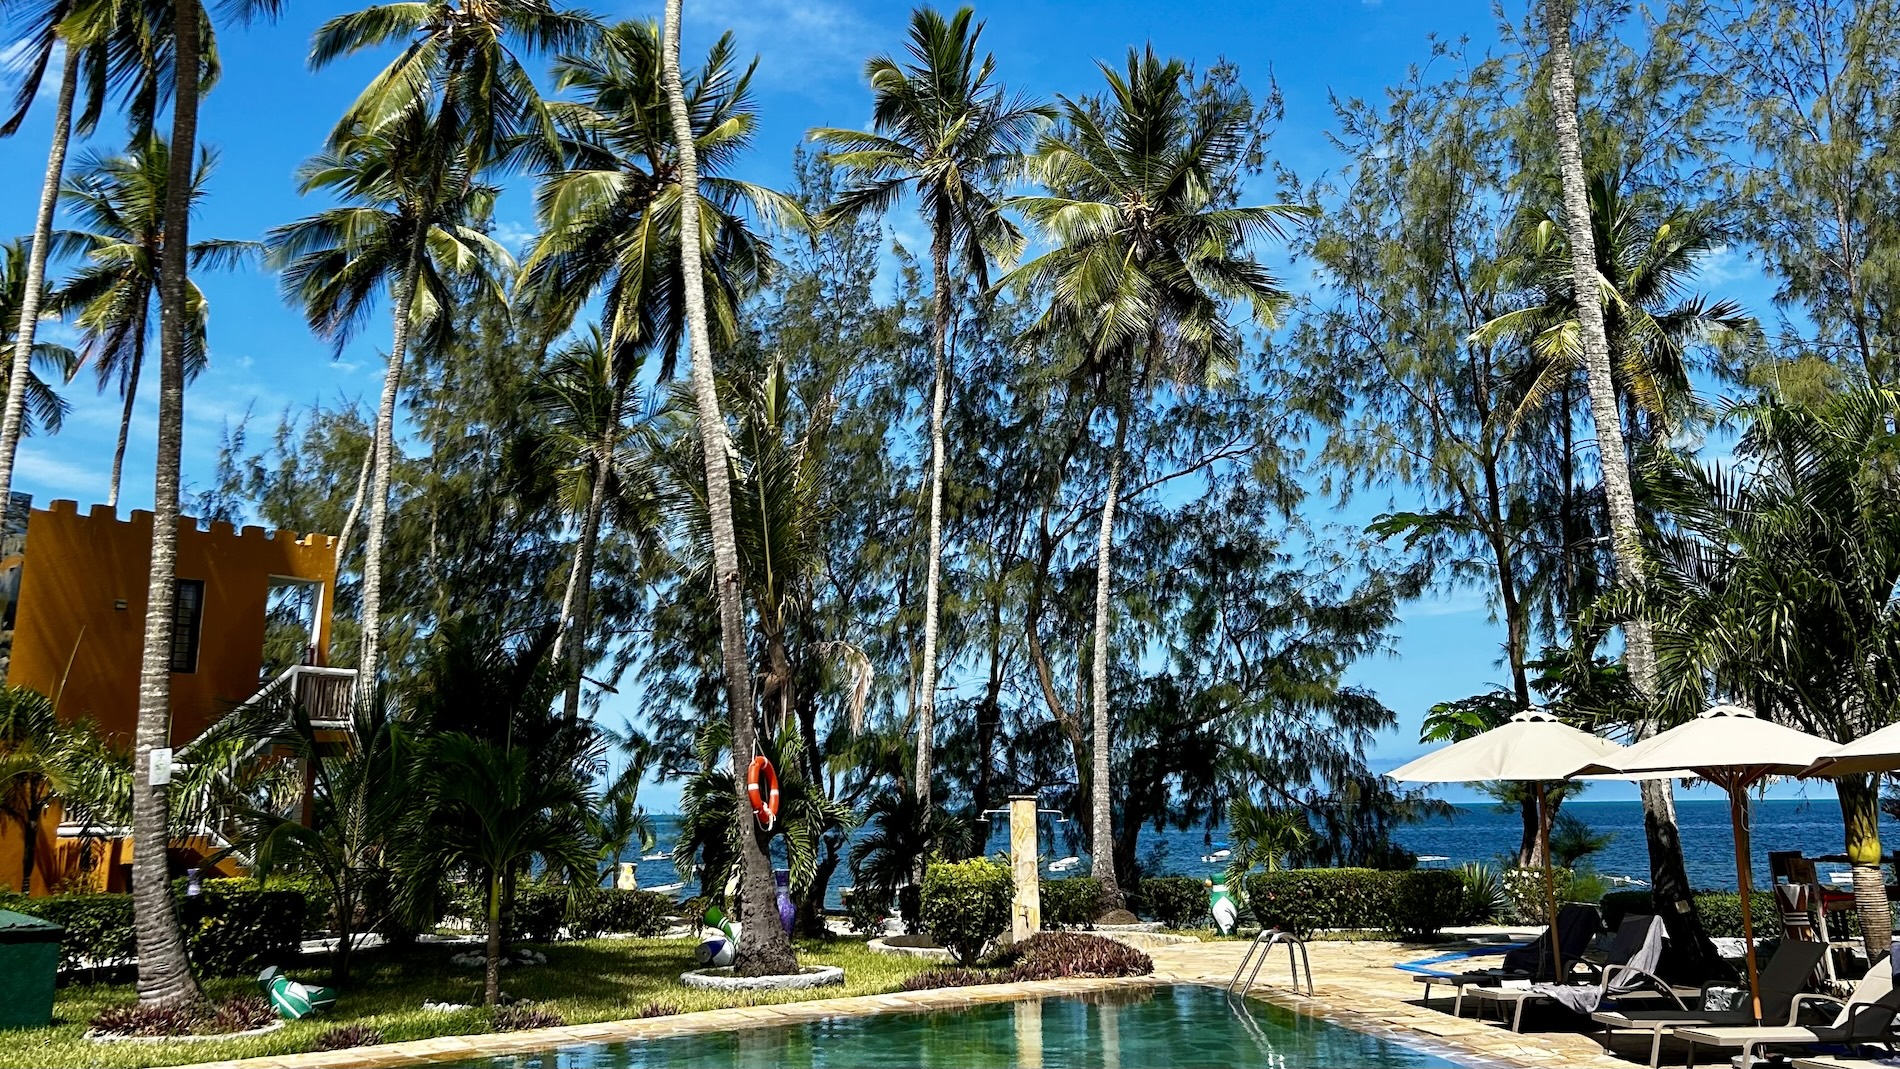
[965, 904]
[343, 1037]
[936, 978]
[539, 912]
[319, 911]
[1175, 901]
[1425, 900]
[1070, 903]
[231, 933]
[1721, 912]
[1059, 955]
[99, 928]
[1407, 901]
[609, 909]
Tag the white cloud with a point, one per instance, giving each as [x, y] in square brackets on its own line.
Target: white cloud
[52, 477]
[513, 236]
[821, 35]
[1725, 264]
[1456, 603]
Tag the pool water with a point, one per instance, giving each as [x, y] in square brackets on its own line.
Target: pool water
[1184, 1025]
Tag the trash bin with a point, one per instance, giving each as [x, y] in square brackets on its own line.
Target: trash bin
[29, 963]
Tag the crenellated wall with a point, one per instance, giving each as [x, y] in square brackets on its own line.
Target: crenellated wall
[80, 626]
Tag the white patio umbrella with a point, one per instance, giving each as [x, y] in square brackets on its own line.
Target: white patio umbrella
[1534, 747]
[1733, 748]
[1877, 751]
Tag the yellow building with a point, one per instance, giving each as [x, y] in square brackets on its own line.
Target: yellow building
[78, 623]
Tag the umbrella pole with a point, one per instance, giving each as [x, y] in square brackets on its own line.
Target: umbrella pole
[1738, 816]
[1550, 881]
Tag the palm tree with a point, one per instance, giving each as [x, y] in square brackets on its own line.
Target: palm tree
[1775, 587]
[610, 219]
[455, 102]
[590, 407]
[118, 200]
[939, 124]
[411, 221]
[1669, 878]
[38, 765]
[766, 949]
[1147, 258]
[106, 44]
[45, 409]
[1646, 252]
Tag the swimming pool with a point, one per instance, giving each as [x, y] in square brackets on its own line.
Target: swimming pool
[1183, 1025]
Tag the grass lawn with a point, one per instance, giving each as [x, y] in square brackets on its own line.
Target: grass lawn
[584, 981]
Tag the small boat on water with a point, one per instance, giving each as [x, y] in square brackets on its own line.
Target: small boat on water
[665, 887]
[1432, 859]
[657, 856]
[1065, 864]
[1219, 855]
[1626, 881]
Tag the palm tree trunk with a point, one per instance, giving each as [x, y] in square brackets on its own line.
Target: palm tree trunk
[1669, 880]
[125, 413]
[384, 446]
[13, 416]
[765, 948]
[1101, 811]
[356, 503]
[491, 972]
[574, 604]
[939, 335]
[164, 976]
[1860, 812]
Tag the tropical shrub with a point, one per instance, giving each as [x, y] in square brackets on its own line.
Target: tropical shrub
[1071, 903]
[599, 910]
[228, 931]
[343, 1037]
[522, 1016]
[955, 977]
[1721, 911]
[1059, 955]
[98, 927]
[241, 1014]
[866, 909]
[965, 904]
[1175, 901]
[1485, 899]
[1425, 900]
[319, 902]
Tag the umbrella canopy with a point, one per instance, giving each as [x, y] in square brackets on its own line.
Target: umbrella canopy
[1725, 742]
[1875, 752]
[1735, 749]
[1532, 745]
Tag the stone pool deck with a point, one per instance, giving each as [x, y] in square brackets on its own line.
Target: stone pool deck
[1354, 984]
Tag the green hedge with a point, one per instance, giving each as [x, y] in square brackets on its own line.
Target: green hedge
[1410, 902]
[545, 912]
[1071, 903]
[1721, 912]
[319, 911]
[228, 932]
[1175, 901]
[965, 904]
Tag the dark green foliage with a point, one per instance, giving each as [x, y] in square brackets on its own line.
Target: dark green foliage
[936, 978]
[1071, 903]
[537, 912]
[1721, 911]
[230, 933]
[910, 907]
[1410, 902]
[522, 1016]
[239, 1014]
[867, 910]
[965, 904]
[319, 903]
[657, 1009]
[1175, 901]
[598, 911]
[346, 1036]
[98, 927]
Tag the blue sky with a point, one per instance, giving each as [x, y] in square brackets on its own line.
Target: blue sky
[270, 112]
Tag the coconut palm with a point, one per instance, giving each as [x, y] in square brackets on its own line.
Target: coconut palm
[45, 409]
[411, 222]
[1669, 879]
[108, 45]
[1147, 258]
[941, 126]
[1647, 251]
[455, 102]
[610, 219]
[37, 766]
[117, 201]
[767, 950]
[591, 409]
[1775, 586]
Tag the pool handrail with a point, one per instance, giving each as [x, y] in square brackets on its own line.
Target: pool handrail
[1263, 944]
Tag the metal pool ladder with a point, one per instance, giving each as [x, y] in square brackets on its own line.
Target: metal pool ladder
[1261, 949]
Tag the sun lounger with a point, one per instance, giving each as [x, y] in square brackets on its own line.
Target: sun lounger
[1866, 1017]
[1577, 924]
[1786, 973]
[1629, 969]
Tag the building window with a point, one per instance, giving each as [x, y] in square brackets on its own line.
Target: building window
[188, 611]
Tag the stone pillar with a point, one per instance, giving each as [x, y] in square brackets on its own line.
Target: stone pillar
[1023, 850]
[1028, 1021]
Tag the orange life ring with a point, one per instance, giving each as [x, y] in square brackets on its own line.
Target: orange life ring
[761, 786]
